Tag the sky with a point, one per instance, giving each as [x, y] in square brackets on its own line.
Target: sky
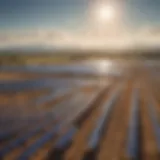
[42, 21]
[23, 14]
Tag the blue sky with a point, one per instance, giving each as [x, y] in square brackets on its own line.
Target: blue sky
[143, 12]
[69, 14]
[42, 13]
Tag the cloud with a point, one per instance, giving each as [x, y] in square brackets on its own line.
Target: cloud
[150, 31]
[146, 36]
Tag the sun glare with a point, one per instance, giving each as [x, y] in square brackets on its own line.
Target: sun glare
[105, 13]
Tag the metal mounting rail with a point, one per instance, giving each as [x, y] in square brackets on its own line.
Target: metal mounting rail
[133, 134]
[106, 110]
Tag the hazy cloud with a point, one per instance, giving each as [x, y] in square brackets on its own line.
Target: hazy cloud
[146, 36]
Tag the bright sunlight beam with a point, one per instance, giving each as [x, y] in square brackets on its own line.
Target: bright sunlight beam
[105, 13]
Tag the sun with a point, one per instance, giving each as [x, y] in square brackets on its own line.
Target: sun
[105, 13]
